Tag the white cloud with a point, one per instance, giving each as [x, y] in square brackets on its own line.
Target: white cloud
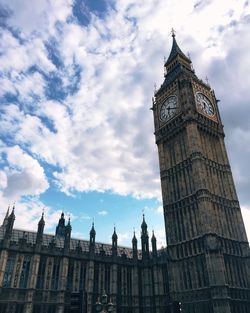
[123, 237]
[84, 216]
[103, 212]
[28, 214]
[102, 137]
[159, 209]
[24, 174]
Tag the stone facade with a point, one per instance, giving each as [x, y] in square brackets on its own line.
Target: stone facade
[207, 242]
[43, 273]
[206, 263]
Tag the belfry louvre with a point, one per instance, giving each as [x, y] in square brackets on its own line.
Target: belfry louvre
[206, 264]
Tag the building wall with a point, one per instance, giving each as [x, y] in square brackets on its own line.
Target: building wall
[44, 278]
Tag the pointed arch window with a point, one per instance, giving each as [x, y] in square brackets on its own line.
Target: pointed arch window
[9, 270]
[55, 274]
[41, 273]
[25, 272]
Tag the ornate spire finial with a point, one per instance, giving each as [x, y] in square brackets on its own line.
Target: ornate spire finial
[8, 211]
[13, 210]
[173, 32]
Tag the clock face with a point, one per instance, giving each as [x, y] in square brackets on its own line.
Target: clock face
[204, 105]
[168, 109]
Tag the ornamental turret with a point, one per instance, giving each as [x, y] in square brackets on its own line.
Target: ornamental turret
[114, 243]
[92, 235]
[134, 247]
[176, 58]
[9, 227]
[60, 228]
[10, 223]
[144, 239]
[40, 229]
[154, 245]
[5, 221]
[67, 235]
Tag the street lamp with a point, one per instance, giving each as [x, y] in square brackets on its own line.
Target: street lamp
[103, 306]
[177, 307]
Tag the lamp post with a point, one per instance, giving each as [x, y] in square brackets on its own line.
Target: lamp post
[103, 306]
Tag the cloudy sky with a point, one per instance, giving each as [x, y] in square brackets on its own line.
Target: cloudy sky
[76, 82]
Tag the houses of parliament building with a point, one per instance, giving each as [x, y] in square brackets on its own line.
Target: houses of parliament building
[205, 267]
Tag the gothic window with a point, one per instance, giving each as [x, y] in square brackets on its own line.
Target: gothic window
[129, 281]
[8, 271]
[49, 308]
[76, 276]
[41, 273]
[19, 308]
[37, 308]
[107, 278]
[17, 272]
[96, 278]
[164, 272]
[3, 307]
[55, 274]
[25, 272]
[70, 275]
[49, 272]
[82, 276]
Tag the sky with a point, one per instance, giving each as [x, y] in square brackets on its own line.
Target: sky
[76, 84]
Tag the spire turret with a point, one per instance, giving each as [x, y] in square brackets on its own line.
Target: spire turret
[41, 223]
[11, 220]
[92, 234]
[5, 221]
[60, 228]
[154, 245]
[134, 246]
[68, 228]
[134, 240]
[144, 239]
[144, 225]
[114, 242]
[9, 225]
[176, 57]
[67, 235]
[40, 229]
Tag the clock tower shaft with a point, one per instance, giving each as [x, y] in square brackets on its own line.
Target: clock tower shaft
[205, 233]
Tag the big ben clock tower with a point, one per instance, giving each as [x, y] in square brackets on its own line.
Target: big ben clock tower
[207, 243]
